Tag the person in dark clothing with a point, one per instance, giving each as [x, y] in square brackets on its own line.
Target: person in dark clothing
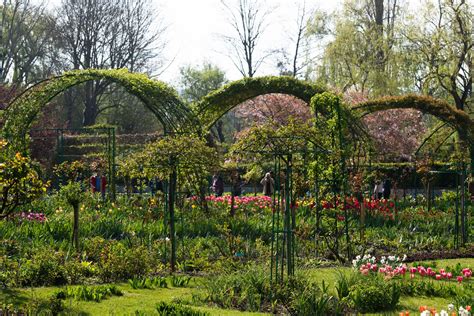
[267, 183]
[236, 184]
[387, 188]
[217, 185]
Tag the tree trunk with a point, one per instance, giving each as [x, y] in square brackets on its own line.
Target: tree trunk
[75, 230]
[90, 102]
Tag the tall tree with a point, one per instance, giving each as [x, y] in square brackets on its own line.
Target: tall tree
[196, 82]
[247, 19]
[443, 36]
[295, 60]
[25, 37]
[363, 54]
[107, 34]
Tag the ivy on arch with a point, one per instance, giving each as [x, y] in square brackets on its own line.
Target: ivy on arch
[158, 97]
[217, 103]
[457, 119]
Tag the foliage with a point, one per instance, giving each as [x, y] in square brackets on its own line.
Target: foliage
[363, 53]
[72, 193]
[197, 82]
[250, 290]
[273, 107]
[20, 182]
[188, 154]
[156, 96]
[148, 283]
[458, 119]
[211, 107]
[368, 294]
[180, 281]
[90, 293]
[173, 309]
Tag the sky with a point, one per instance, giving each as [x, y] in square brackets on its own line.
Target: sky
[194, 29]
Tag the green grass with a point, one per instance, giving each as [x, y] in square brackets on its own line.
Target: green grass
[132, 300]
[145, 300]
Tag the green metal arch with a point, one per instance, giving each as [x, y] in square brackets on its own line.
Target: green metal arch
[214, 105]
[158, 97]
[458, 119]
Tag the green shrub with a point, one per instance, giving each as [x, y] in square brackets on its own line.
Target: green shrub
[172, 309]
[180, 281]
[375, 295]
[90, 293]
[120, 263]
[46, 267]
[148, 283]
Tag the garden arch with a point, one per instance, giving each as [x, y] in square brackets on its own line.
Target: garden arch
[217, 103]
[457, 119]
[158, 97]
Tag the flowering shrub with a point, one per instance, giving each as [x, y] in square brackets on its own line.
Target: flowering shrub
[253, 202]
[463, 311]
[376, 208]
[389, 266]
[31, 216]
[442, 274]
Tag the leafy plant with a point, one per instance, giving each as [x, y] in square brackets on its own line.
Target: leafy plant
[180, 281]
[148, 283]
[173, 309]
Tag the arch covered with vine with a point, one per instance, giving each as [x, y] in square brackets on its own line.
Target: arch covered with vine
[217, 103]
[157, 96]
[457, 119]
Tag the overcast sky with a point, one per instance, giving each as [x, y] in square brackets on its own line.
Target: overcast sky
[194, 27]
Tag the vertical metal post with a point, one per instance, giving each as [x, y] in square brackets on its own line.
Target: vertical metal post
[463, 205]
[288, 226]
[113, 169]
[456, 220]
[171, 205]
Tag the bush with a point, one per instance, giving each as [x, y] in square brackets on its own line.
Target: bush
[120, 263]
[147, 283]
[172, 309]
[374, 295]
[90, 293]
[250, 290]
[46, 267]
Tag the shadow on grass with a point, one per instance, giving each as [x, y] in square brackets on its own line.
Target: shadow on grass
[13, 296]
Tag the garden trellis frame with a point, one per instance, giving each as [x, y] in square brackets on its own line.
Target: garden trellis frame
[109, 150]
[283, 242]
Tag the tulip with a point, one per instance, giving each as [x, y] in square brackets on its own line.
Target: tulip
[459, 278]
[438, 277]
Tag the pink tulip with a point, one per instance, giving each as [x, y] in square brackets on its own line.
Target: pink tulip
[449, 275]
[438, 277]
[459, 278]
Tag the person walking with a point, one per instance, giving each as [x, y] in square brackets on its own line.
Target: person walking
[268, 184]
[378, 190]
[387, 189]
[217, 185]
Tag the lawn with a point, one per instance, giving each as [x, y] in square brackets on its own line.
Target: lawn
[145, 300]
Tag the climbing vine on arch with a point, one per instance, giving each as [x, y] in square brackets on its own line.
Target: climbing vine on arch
[158, 97]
